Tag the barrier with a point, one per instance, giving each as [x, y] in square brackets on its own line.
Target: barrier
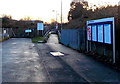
[73, 38]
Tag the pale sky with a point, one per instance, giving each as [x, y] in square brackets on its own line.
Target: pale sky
[40, 9]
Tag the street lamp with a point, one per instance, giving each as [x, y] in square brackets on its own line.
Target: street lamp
[56, 23]
[56, 14]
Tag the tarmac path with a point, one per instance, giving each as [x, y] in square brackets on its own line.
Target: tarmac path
[23, 61]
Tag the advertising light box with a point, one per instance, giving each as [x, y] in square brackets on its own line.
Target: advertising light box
[100, 33]
[40, 26]
[107, 33]
[89, 33]
[94, 33]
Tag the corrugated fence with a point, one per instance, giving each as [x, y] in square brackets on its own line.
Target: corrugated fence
[74, 38]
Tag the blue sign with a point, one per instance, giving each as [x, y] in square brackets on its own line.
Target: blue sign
[28, 30]
[101, 20]
[40, 26]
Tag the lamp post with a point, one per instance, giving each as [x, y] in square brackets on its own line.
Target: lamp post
[61, 14]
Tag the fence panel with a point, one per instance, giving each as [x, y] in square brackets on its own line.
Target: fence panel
[72, 38]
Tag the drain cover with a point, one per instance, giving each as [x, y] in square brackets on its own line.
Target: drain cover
[57, 53]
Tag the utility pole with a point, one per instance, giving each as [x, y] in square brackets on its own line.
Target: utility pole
[61, 14]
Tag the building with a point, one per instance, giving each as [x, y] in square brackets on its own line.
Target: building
[119, 9]
[119, 3]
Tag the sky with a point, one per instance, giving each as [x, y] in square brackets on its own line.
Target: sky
[41, 9]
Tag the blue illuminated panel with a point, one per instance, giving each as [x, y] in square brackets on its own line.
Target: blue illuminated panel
[94, 33]
[107, 33]
[28, 30]
[100, 33]
[40, 26]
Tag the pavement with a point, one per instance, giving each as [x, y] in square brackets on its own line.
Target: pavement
[23, 61]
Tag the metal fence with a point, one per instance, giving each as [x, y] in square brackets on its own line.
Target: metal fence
[5, 33]
[74, 38]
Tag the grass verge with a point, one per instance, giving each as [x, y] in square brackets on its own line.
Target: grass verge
[1, 40]
[38, 40]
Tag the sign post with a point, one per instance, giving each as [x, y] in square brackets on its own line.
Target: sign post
[40, 27]
[114, 49]
[56, 26]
